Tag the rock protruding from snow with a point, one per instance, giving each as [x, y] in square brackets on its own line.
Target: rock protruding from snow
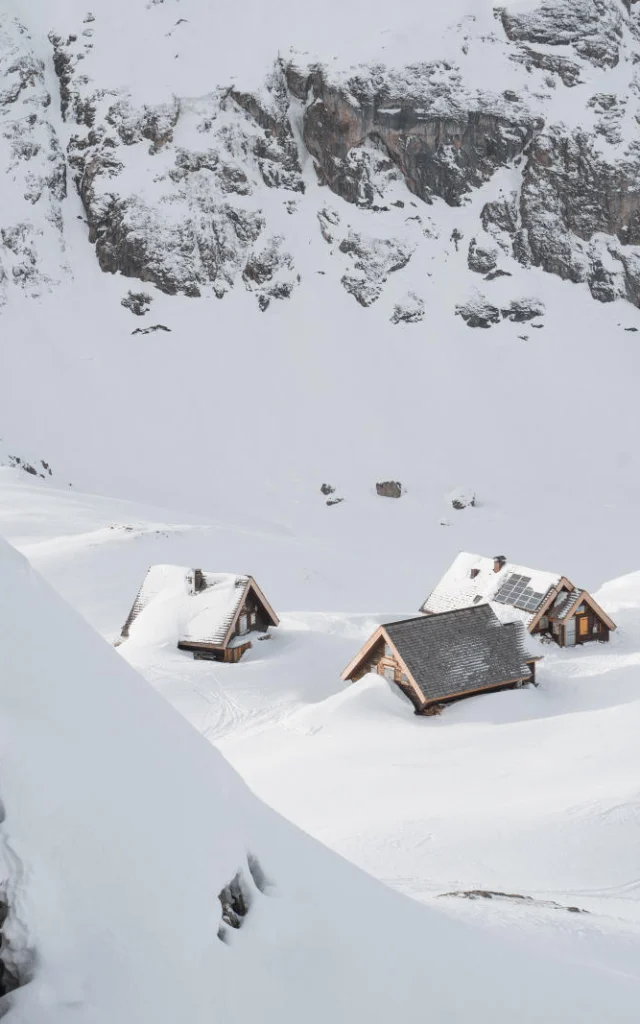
[479, 312]
[481, 259]
[440, 147]
[137, 303]
[409, 311]
[373, 260]
[389, 489]
[34, 182]
[462, 497]
[594, 28]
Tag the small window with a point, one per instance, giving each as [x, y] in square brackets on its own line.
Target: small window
[389, 673]
[388, 653]
[473, 573]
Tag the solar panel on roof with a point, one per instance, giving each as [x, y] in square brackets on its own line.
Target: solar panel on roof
[515, 591]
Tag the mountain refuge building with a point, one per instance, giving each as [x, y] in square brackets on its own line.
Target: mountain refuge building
[216, 616]
[545, 603]
[438, 659]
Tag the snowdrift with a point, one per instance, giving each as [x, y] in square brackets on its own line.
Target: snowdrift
[121, 827]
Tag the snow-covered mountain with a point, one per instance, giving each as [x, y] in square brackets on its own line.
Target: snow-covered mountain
[170, 177]
[191, 168]
[247, 251]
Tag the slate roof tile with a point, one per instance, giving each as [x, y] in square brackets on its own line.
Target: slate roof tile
[455, 652]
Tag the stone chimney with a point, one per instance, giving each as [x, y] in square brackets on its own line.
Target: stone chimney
[195, 581]
[499, 562]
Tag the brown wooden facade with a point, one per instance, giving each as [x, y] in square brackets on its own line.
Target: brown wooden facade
[230, 655]
[581, 621]
[384, 660]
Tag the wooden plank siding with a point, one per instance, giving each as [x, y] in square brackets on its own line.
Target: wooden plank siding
[595, 628]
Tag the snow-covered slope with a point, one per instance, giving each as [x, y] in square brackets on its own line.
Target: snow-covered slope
[121, 825]
[341, 247]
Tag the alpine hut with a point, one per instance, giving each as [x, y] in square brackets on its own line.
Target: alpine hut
[214, 615]
[438, 659]
[546, 603]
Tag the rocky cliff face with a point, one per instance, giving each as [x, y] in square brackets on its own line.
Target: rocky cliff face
[199, 194]
[33, 169]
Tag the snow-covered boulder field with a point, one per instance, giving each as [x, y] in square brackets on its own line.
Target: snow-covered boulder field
[121, 827]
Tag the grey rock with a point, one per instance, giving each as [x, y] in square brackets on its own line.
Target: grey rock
[568, 71]
[152, 329]
[519, 311]
[594, 28]
[137, 303]
[461, 498]
[389, 489]
[481, 260]
[373, 260]
[444, 154]
[409, 311]
[479, 312]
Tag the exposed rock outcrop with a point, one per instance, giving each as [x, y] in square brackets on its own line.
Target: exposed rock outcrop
[478, 312]
[137, 303]
[373, 260]
[389, 489]
[181, 193]
[409, 311]
[480, 259]
[34, 169]
[440, 146]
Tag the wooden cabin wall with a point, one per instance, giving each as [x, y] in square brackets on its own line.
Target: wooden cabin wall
[601, 633]
[385, 663]
[251, 606]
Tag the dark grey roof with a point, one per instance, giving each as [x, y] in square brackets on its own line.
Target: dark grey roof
[454, 652]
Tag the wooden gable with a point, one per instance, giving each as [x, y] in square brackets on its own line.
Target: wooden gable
[252, 599]
[380, 655]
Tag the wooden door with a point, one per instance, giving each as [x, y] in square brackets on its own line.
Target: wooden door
[583, 626]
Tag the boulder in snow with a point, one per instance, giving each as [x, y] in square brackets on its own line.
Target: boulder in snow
[389, 489]
[479, 312]
[462, 497]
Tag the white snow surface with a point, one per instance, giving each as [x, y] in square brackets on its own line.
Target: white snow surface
[120, 827]
[207, 445]
[537, 791]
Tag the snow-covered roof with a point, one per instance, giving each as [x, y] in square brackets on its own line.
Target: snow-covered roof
[515, 592]
[215, 608]
[199, 607]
